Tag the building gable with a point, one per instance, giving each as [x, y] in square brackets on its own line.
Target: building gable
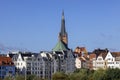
[109, 56]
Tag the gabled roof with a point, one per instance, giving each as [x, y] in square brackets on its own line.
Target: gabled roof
[15, 57]
[11, 55]
[23, 55]
[104, 54]
[60, 47]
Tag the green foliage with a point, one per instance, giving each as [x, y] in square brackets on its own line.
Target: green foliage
[100, 74]
[79, 74]
[60, 76]
[113, 74]
[21, 77]
[85, 74]
[8, 78]
[31, 77]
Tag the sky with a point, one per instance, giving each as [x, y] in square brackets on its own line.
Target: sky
[34, 25]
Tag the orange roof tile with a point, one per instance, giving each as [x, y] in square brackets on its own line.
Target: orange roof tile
[92, 55]
[6, 61]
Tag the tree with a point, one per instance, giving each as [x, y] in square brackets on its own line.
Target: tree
[8, 78]
[113, 74]
[80, 74]
[60, 76]
[19, 77]
[31, 77]
[99, 74]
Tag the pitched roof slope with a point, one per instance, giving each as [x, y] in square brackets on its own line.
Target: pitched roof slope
[6, 61]
[92, 55]
[115, 54]
[60, 47]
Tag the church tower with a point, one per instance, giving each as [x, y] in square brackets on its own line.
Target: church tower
[63, 34]
[62, 44]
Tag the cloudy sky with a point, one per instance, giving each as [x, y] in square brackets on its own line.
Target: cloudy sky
[34, 24]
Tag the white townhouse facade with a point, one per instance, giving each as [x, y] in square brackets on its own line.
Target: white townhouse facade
[99, 59]
[39, 64]
[110, 61]
[19, 59]
[81, 62]
[106, 59]
[78, 63]
[99, 62]
[113, 60]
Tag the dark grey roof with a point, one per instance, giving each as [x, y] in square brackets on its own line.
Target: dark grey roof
[11, 55]
[15, 57]
[63, 30]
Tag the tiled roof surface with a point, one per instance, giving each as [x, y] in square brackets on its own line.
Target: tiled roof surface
[92, 55]
[104, 54]
[115, 54]
[6, 61]
[60, 47]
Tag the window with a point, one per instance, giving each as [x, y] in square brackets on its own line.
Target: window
[10, 72]
[99, 58]
[18, 59]
[41, 72]
[117, 62]
[32, 68]
[109, 59]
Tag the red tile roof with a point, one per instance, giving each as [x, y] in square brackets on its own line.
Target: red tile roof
[92, 55]
[6, 61]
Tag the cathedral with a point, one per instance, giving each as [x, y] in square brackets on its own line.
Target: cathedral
[64, 59]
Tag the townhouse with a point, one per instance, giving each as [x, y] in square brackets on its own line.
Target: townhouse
[7, 67]
[105, 59]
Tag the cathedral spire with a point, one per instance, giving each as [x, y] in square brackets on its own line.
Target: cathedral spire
[63, 30]
[62, 44]
[63, 34]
